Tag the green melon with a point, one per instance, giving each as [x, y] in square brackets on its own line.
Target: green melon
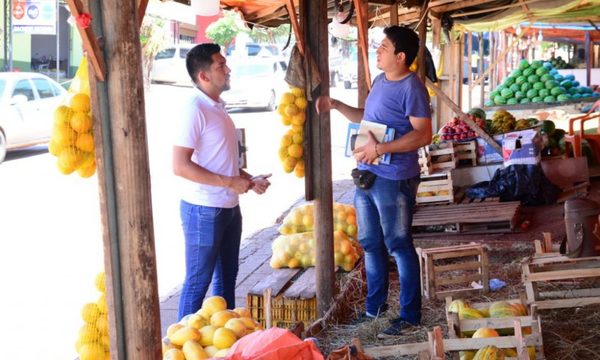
[512, 101]
[558, 91]
[526, 86]
[515, 87]
[547, 66]
[520, 95]
[549, 99]
[524, 64]
[550, 84]
[575, 96]
[516, 73]
[536, 64]
[499, 100]
[536, 99]
[575, 83]
[524, 101]
[507, 93]
[501, 87]
[570, 77]
[546, 77]
[541, 71]
[532, 93]
[509, 80]
[544, 92]
[489, 103]
[478, 113]
[538, 85]
[567, 84]
[553, 72]
[563, 97]
[558, 77]
[573, 91]
[532, 79]
[528, 71]
[521, 80]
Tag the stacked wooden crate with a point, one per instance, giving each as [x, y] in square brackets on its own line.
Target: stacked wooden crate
[436, 188]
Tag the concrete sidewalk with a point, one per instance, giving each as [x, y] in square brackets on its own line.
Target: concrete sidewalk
[254, 259]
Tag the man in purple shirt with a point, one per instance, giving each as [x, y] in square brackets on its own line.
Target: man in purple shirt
[398, 99]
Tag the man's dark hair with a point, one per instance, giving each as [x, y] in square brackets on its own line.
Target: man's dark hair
[200, 58]
[405, 40]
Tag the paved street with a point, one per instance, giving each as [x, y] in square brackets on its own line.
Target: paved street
[50, 233]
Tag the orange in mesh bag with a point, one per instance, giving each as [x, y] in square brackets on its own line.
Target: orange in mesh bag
[273, 344]
[93, 341]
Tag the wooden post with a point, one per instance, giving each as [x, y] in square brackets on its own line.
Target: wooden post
[493, 45]
[469, 69]
[588, 59]
[314, 23]
[481, 71]
[436, 29]
[460, 59]
[364, 75]
[124, 185]
[394, 14]
[422, 69]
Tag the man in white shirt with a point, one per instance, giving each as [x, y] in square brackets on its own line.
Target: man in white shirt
[206, 155]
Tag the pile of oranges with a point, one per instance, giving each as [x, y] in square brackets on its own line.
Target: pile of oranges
[292, 109]
[72, 137]
[93, 342]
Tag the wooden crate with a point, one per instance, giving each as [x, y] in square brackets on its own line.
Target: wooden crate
[466, 151]
[450, 270]
[436, 346]
[436, 188]
[425, 161]
[538, 271]
[530, 323]
[284, 298]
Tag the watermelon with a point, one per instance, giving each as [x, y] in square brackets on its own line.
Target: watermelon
[501, 87]
[573, 91]
[550, 84]
[548, 66]
[541, 71]
[532, 93]
[536, 64]
[489, 103]
[546, 77]
[570, 77]
[515, 87]
[595, 94]
[521, 80]
[558, 77]
[499, 100]
[509, 81]
[536, 99]
[549, 99]
[558, 91]
[532, 79]
[507, 93]
[575, 83]
[528, 71]
[582, 89]
[478, 113]
[548, 127]
[524, 101]
[538, 85]
[523, 65]
[520, 95]
[512, 101]
[553, 72]
[575, 96]
[563, 97]
[566, 84]
[516, 73]
[526, 86]
[544, 93]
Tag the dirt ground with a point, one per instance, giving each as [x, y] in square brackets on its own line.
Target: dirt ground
[570, 333]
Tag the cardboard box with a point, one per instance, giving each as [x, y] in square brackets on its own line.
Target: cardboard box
[522, 147]
[486, 154]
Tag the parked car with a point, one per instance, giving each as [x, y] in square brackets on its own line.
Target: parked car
[348, 73]
[27, 104]
[254, 49]
[169, 65]
[256, 82]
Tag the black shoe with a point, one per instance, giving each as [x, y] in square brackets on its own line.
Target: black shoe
[397, 327]
[365, 316]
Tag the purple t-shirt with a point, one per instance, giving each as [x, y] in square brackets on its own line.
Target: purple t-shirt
[391, 103]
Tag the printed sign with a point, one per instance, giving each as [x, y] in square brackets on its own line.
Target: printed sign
[34, 16]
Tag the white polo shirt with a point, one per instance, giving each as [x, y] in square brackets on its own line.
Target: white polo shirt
[205, 126]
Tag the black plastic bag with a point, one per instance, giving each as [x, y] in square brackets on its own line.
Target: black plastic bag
[525, 183]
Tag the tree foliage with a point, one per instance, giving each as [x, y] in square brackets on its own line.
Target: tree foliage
[224, 30]
[153, 38]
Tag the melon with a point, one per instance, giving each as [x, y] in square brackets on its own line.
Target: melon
[532, 79]
[469, 313]
[489, 353]
[532, 93]
[538, 85]
[566, 84]
[509, 80]
[558, 91]
[546, 77]
[502, 309]
[524, 101]
[536, 64]
[515, 87]
[541, 71]
[543, 93]
[570, 77]
[526, 86]
[512, 101]
[457, 306]
[523, 64]
[549, 99]
[528, 71]
[550, 84]
[485, 333]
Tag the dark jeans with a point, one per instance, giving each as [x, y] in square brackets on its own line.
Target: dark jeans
[212, 247]
[384, 215]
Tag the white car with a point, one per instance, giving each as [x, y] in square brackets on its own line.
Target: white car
[27, 104]
[169, 65]
[256, 82]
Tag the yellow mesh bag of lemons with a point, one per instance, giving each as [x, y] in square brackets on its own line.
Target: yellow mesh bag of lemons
[72, 139]
[93, 342]
[208, 333]
[292, 111]
[295, 247]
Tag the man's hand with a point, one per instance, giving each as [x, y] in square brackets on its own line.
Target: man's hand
[239, 184]
[260, 183]
[324, 103]
[368, 152]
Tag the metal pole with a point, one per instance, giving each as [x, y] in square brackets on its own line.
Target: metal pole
[5, 35]
[57, 41]
[10, 50]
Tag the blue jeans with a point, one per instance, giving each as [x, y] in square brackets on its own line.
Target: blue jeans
[212, 248]
[385, 213]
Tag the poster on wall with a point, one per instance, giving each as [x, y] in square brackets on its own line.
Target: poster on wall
[34, 16]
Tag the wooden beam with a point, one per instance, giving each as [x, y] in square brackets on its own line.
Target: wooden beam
[90, 44]
[456, 5]
[142, 6]
[422, 31]
[314, 23]
[291, 8]
[588, 59]
[481, 71]
[469, 68]
[394, 14]
[360, 7]
[479, 131]
[492, 9]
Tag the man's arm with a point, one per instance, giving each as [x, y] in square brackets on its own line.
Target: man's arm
[325, 103]
[184, 166]
[418, 137]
